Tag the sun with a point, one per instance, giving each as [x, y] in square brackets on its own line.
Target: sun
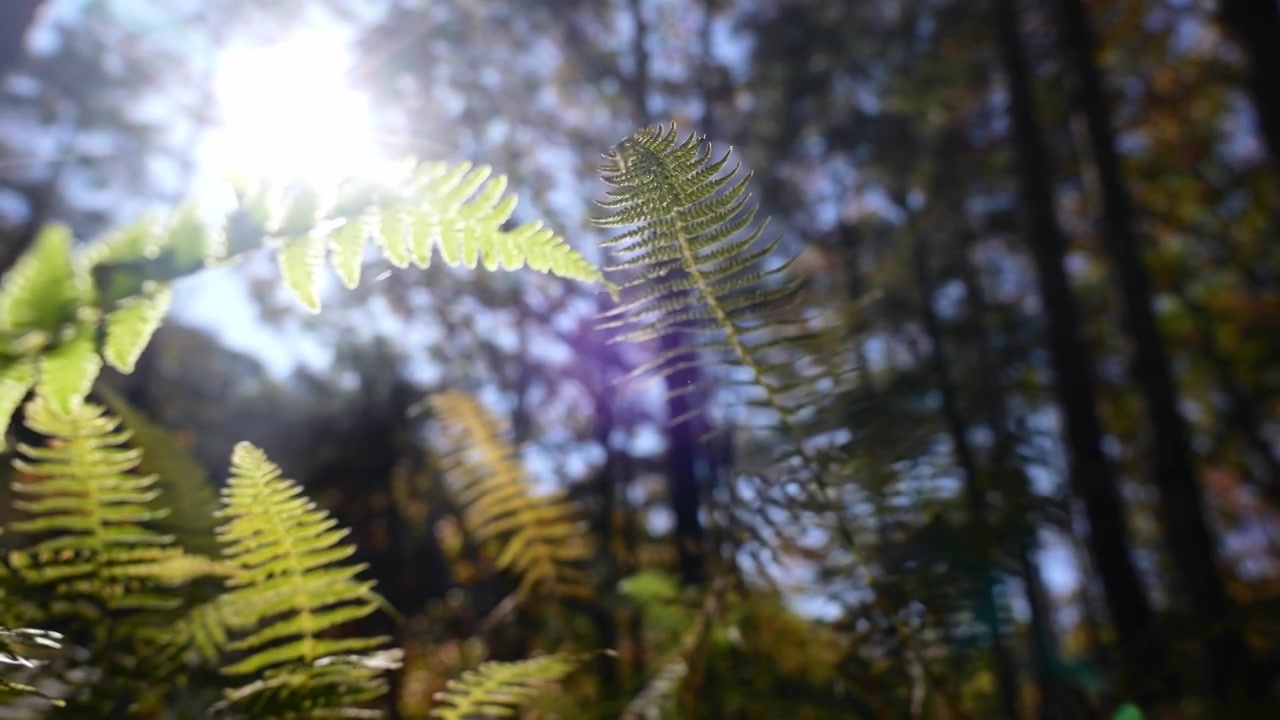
[288, 111]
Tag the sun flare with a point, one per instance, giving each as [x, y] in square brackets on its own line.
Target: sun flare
[288, 111]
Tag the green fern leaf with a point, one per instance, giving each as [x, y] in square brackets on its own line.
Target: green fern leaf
[690, 254]
[292, 581]
[40, 292]
[189, 497]
[130, 328]
[498, 689]
[67, 372]
[460, 210]
[300, 261]
[16, 380]
[94, 514]
[541, 541]
[348, 245]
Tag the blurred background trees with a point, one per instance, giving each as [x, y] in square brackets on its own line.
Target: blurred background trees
[1049, 230]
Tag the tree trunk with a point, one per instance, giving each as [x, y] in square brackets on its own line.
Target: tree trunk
[1190, 539]
[1044, 647]
[1091, 475]
[1006, 675]
[683, 454]
[1255, 26]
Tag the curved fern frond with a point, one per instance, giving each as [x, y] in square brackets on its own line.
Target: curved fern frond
[40, 293]
[497, 689]
[327, 688]
[541, 541]
[20, 646]
[693, 261]
[456, 209]
[189, 494]
[94, 514]
[292, 587]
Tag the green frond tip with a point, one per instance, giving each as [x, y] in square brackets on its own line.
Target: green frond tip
[67, 372]
[498, 689]
[130, 327]
[292, 584]
[16, 380]
[40, 293]
[540, 538]
[458, 210]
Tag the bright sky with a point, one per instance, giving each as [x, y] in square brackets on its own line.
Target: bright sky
[286, 111]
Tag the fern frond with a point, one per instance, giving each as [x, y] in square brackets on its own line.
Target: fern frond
[693, 261]
[292, 586]
[189, 496]
[497, 689]
[93, 513]
[541, 541]
[40, 293]
[20, 646]
[130, 327]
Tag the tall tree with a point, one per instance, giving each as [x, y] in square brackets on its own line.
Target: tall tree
[1092, 477]
[1172, 463]
[974, 493]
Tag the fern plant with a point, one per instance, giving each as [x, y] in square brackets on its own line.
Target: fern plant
[292, 589]
[540, 538]
[63, 313]
[95, 565]
[497, 689]
[692, 261]
[98, 552]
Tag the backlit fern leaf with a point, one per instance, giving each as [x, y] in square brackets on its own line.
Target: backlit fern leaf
[693, 262]
[292, 588]
[460, 210]
[541, 541]
[93, 515]
[497, 689]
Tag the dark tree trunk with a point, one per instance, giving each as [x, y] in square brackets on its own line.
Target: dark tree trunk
[1091, 475]
[1255, 26]
[1190, 539]
[1044, 647]
[684, 457]
[1006, 675]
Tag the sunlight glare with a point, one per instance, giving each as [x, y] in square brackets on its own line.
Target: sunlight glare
[288, 112]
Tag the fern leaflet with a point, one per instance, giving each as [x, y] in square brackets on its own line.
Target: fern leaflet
[292, 588]
[497, 689]
[541, 541]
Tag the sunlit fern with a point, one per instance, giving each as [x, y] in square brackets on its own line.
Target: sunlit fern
[63, 313]
[498, 689]
[456, 209]
[93, 516]
[692, 260]
[293, 587]
[541, 540]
